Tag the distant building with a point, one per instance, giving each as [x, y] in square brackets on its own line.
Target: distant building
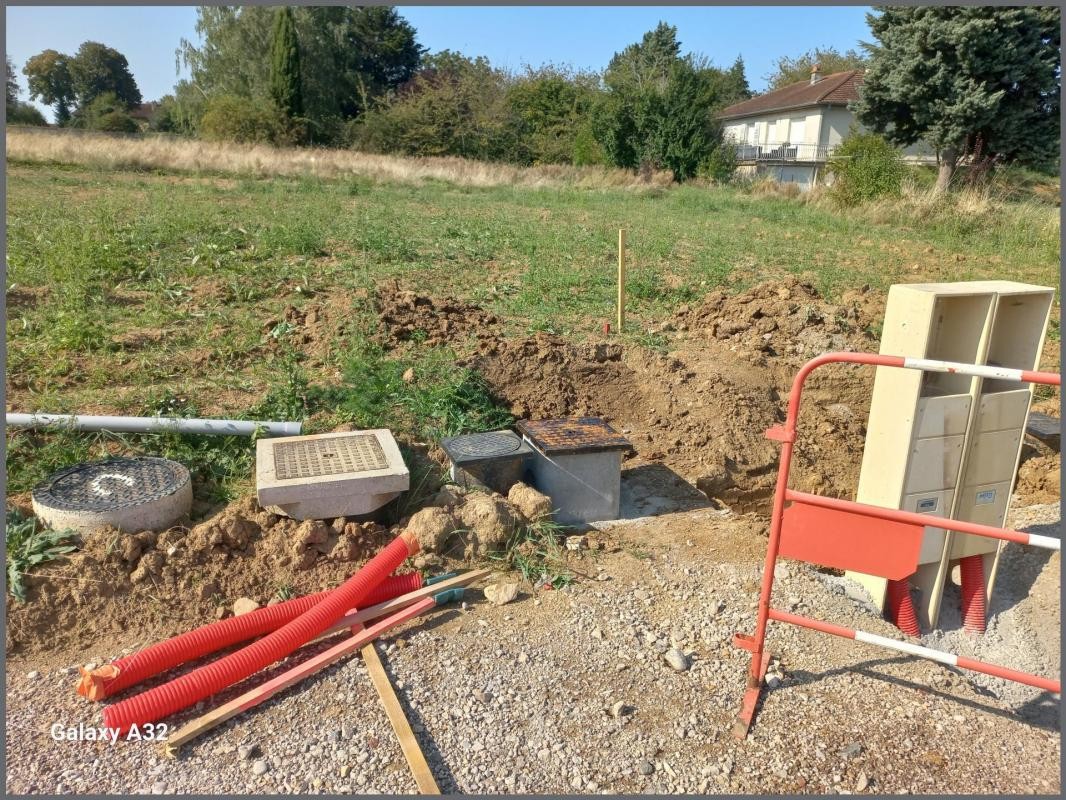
[142, 113]
[791, 132]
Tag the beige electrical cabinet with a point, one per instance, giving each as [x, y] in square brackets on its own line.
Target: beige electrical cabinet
[948, 444]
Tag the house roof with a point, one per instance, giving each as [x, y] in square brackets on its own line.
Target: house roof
[839, 88]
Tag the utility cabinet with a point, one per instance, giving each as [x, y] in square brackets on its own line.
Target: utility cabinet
[947, 444]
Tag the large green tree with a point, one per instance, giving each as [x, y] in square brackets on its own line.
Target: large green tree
[550, 105]
[97, 69]
[970, 81]
[454, 106]
[659, 107]
[789, 70]
[285, 65]
[350, 57]
[48, 80]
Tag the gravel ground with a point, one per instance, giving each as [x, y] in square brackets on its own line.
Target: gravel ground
[624, 682]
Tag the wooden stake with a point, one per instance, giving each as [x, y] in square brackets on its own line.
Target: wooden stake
[255, 696]
[621, 279]
[416, 760]
[396, 603]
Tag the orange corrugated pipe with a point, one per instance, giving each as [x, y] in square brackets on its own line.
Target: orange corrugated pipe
[214, 677]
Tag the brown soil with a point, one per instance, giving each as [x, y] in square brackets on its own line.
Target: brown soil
[408, 316]
[182, 577]
[698, 411]
[702, 409]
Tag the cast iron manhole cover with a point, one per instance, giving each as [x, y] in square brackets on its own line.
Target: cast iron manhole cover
[113, 484]
[573, 435]
[312, 458]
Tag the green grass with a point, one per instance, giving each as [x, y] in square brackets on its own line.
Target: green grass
[130, 289]
[536, 553]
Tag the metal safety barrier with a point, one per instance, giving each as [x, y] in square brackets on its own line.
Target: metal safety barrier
[827, 531]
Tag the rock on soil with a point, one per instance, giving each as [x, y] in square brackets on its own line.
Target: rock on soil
[530, 503]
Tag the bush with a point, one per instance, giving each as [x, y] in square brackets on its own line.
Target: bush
[228, 118]
[115, 122]
[24, 114]
[865, 167]
[721, 164]
[107, 113]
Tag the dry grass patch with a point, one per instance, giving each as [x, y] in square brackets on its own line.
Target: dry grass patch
[185, 155]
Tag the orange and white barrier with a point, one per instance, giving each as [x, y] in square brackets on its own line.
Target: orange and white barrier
[863, 538]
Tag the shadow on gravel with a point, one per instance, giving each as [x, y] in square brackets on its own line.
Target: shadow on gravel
[437, 764]
[1041, 712]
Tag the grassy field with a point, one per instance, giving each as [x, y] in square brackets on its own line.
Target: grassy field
[159, 289]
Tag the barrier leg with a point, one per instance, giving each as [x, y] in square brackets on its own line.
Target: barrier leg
[757, 642]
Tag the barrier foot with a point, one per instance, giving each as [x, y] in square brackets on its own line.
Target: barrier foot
[751, 695]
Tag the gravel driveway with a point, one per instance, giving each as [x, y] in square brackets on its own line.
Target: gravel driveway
[624, 682]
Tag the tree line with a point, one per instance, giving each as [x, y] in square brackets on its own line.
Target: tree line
[966, 80]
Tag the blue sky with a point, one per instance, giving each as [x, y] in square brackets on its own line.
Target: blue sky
[510, 37]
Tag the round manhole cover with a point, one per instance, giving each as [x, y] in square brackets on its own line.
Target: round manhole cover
[483, 445]
[112, 485]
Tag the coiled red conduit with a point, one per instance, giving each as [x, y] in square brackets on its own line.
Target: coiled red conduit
[136, 667]
[214, 677]
[901, 607]
[972, 572]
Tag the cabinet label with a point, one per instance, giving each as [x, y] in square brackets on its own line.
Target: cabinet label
[927, 504]
[986, 497]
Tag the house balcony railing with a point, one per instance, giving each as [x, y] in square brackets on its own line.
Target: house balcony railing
[783, 151]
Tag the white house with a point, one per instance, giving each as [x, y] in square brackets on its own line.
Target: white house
[789, 133]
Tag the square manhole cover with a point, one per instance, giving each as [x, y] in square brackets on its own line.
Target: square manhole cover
[315, 457]
[573, 435]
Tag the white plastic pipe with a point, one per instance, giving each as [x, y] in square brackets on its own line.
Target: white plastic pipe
[211, 427]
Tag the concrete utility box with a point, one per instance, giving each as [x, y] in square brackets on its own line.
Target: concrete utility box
[948, 444]
[329, 475]
[577, 462]
[496, 460]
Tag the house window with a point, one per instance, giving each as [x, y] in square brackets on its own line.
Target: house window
[799, 130]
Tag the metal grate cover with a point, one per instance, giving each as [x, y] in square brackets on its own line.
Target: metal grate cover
[573, 435]
[475, 447]
[112, 484]
[338, 455]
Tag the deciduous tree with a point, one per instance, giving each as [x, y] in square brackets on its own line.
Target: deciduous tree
[790, 70]
[49, 80]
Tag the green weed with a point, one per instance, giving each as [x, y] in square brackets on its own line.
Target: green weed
[536, 552]
[29, 546]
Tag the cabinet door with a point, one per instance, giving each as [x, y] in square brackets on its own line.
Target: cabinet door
[934, 464]
[1001, 411]
[939, 505]
[942, 416]
[993, 457]
[985, 504]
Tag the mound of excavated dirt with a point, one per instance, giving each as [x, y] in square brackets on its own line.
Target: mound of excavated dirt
[186, 576]
[702, 410]
[408, 316]
[161, 584]
[785, 318]
[315, 327]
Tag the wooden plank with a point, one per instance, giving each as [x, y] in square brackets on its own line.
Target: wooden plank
[416, 760]
[255, 696]
[396, 603]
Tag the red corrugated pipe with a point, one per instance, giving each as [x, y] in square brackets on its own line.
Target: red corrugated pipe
[901, 607]
[972, 572]
[130, 670]
[214, 677]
